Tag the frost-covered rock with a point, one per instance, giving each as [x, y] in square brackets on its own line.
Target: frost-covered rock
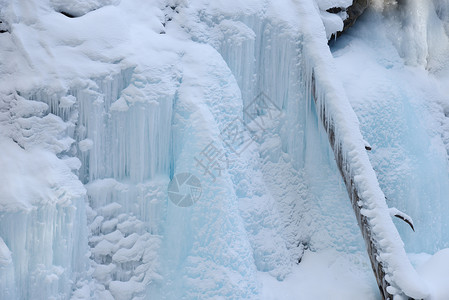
[354, 12]
[338, 16]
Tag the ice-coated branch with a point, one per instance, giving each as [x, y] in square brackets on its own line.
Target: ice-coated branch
[394, 212]
[367, 145]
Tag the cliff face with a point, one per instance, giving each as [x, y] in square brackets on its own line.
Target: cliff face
[354, 11]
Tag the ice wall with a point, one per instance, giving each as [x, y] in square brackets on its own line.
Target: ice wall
[419, 30]
[137, 96]
[42, 207]
[237, 224]
[265, 53]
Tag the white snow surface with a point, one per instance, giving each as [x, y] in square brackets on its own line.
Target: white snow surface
[78, 8]
[326, 4]
[435, 272]
[128, 94]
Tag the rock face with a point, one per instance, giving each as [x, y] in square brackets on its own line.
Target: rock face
[354, 11]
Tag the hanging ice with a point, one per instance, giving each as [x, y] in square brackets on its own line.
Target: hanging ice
[100, 108]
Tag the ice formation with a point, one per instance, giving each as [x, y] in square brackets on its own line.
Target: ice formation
[103, 102]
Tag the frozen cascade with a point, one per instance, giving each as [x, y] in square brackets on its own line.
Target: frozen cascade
[265, 54]
[42, 227]
[402, 113]
[126, 168]
[122, 118]
[126, 121]
[270, 52]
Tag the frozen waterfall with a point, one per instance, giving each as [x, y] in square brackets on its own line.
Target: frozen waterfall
[110, 109]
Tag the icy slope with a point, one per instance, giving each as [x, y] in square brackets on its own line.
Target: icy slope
[400, 100]
[401, 111]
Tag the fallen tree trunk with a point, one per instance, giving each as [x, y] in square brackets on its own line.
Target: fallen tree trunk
[353, 193]
[376, 265]
[393, 271]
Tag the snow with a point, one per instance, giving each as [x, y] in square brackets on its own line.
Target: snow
[400, 104]
[99, 112]
[322, 275]
[435, 272]
[85, 145]
[401, 109]
[332, 22]
[79, 8]
[67, 102]
[36, 169]
[326, 4]
[330, 93]
[110, 209]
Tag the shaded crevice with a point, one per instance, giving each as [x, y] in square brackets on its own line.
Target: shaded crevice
[68, 15]
[4, 27]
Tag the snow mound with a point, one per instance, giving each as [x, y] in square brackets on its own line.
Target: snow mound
[34, 177]
[435, 272]
[77, 8]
